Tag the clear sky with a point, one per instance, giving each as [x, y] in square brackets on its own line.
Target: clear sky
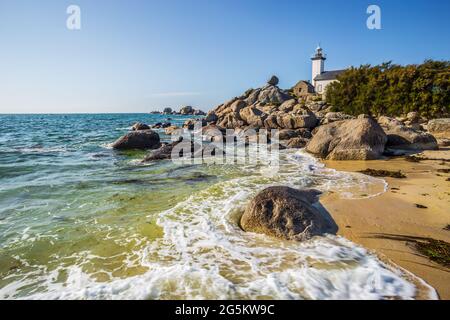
[138, 56]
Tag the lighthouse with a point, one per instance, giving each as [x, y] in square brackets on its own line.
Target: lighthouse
[318, 64]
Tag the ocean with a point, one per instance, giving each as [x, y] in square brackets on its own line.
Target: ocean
[79, 220]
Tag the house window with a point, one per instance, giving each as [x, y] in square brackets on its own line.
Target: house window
[319, 88]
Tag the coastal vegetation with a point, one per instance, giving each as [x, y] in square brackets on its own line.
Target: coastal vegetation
[393, 90]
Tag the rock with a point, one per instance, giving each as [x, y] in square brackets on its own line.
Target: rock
[231, 121]
[186, 110]
[285, 213]
[440, 128]
[140, 126]
[271, 122]
[355, 139]
[213, 132]
[191, 123]
[238, 105]
[184, 150]
[163, 153]
[167, 111]
[143, 139]
[198, 113]
[171, 130]
[402, 137]
[406, 138]
[331, 117]
[253, 116]
[413, 117]
[211, 117]
[443, 142]
[166, 125]
[253, 97]
[288, 105]
[273, 95]
[286, 134]
[273, 81]
[296, 121]
[297, 143]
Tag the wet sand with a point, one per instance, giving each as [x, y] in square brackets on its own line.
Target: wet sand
[380, 223]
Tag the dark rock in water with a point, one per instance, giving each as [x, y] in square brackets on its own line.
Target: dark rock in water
[185, 149]
[166, 125]
[383, 173]
[285, 213]
[355, 139]
[273, 81]
[186, 110]
[167, 111]
[140, 126]
[163, 153]
[143, 139]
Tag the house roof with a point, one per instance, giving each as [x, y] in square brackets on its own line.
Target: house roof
[328, 75]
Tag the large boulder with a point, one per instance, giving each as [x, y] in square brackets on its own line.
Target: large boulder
[143, 139]
[440, 128]
[285, 213]
[406, 138]
[355, 139]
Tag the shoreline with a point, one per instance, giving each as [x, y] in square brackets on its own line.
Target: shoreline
[385, 223]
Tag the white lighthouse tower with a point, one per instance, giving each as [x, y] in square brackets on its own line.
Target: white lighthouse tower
[318, 64]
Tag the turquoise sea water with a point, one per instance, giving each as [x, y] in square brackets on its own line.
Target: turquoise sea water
[79, 220]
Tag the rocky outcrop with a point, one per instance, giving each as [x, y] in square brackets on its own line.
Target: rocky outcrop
[403, 137]
[268, 107]
[440, 128]
[187, 110]
[285, 213]
[167, 111]
[142, 139]
[355, 139]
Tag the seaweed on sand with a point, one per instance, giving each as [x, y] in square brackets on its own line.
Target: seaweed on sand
[383, 173]
[435, 250]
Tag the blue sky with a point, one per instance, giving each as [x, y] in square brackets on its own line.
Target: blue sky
[138, 56]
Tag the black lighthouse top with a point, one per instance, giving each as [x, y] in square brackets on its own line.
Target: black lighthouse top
[319, 55]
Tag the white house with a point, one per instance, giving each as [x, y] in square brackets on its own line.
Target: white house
[321, 78]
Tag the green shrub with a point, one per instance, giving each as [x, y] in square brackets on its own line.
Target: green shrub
[393, 90]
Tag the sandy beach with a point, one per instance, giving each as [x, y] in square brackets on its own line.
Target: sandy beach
[386, 222]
